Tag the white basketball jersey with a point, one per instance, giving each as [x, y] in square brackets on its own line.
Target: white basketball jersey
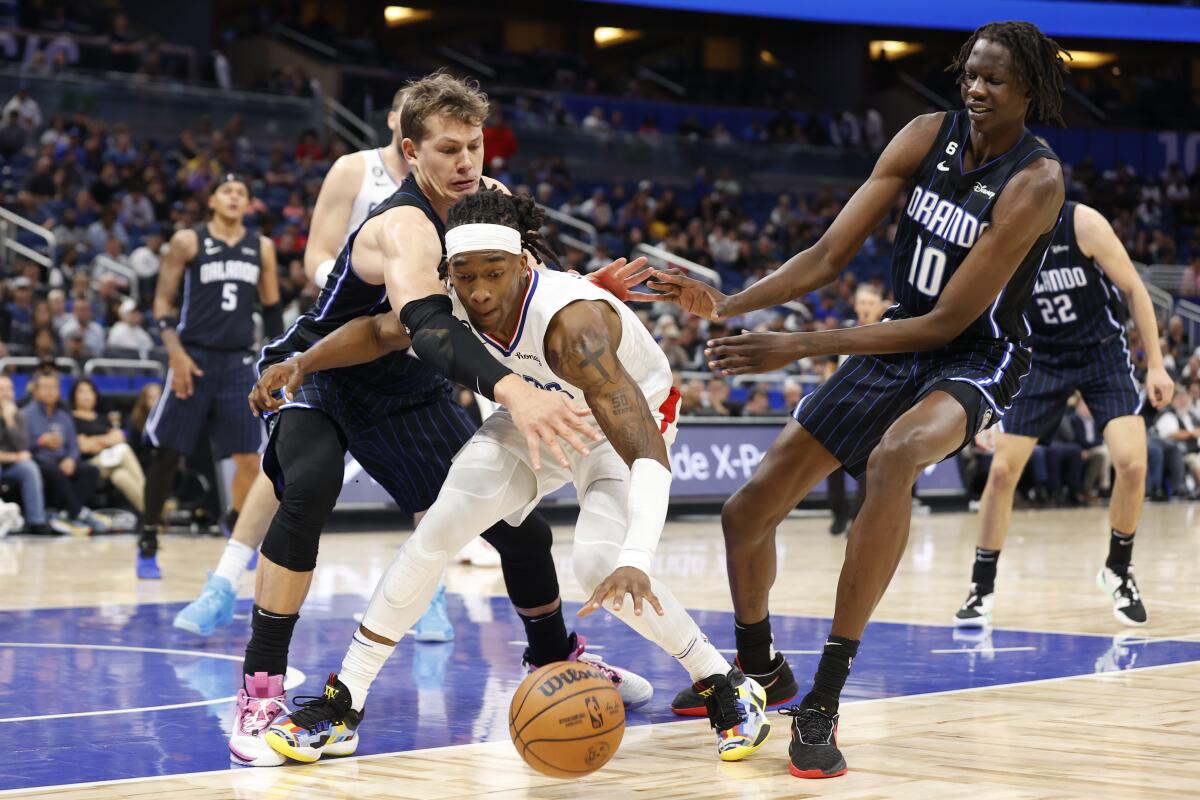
[548, 292]
[377, 185]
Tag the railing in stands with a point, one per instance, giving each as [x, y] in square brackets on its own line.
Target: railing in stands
[348, 125]
[104, 365]
[9, 243]
[586, 229]
[1165, 276]
[1190, 313]
[104, 263]
[31, 363]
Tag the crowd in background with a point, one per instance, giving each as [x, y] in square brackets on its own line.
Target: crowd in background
[112, 199]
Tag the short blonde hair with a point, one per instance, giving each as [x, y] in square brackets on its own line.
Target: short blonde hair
[441, 94]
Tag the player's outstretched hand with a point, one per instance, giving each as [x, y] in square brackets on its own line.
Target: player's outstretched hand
[1159, 387]
[287, 375]
[619, 278]
[751, 353]
[182, 370]
[544, 417]
[693, 296]
[623, 581]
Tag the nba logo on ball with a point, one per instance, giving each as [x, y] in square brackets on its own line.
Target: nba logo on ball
[566, 720]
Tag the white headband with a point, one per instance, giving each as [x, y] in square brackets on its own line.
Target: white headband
[482, 236]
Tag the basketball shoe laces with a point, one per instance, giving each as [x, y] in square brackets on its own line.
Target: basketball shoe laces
[1127, 590]
[724, 710]
[313, 711]
[259, 713]
[813, 726]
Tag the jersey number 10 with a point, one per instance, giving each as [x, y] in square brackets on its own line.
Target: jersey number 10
[928, 269]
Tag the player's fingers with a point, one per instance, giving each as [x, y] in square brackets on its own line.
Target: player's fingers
[654, 602]
[534, 443]
[569, 435]
[637, 602]
[645, 297]
[593, 602]
[552, 442]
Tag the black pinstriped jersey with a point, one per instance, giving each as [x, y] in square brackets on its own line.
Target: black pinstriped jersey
[1075, 305]
[220, 290]
[347, 297]
[947, 211]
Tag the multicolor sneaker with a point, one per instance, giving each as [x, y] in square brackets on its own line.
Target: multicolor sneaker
[635, 690]
[736, 707]
[211, 610]
[259, 704]
[434, 625]
[321, 726]
[813, 752]
[1127, 600]
[778, 682]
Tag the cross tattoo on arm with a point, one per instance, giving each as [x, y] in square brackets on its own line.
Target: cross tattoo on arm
[591, 358]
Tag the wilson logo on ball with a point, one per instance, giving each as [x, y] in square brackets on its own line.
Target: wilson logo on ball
[565, 678]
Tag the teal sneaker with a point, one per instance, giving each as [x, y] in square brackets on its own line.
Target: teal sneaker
[211, 610]
[434, 625]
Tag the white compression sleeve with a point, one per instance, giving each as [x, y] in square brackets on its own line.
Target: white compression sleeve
[322, 273]
[485, 484]
[598, 536]
[649, 494]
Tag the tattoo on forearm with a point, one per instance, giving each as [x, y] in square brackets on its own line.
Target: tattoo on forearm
[621, 403]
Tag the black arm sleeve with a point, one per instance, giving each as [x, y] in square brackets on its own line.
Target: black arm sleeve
[449, 346]
[273, 321]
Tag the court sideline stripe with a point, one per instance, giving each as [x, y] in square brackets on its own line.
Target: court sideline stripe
[908, 697]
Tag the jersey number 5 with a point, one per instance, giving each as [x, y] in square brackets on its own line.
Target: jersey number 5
[228, 296]
[1056, 310]
[928, 269]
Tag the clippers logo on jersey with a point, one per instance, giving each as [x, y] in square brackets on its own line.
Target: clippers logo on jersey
[949, 209]
[1075, 305]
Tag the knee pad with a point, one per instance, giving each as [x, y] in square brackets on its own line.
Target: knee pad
[526, 560]
[405, 590]
[293, 537]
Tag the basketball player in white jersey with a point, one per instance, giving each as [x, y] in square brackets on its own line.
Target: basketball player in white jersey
[562, 334]
[356, 183]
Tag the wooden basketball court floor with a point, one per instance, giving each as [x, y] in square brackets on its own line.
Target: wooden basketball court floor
[101, 698]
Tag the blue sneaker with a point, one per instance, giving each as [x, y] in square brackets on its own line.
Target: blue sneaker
[147, 568]
[211, 610]
[434, 625]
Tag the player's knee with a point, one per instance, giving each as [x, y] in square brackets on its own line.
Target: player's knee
[1131, 468]
[894, 458]
[743, 515]
[1003, 475]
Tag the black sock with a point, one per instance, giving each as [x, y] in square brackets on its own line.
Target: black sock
[231, 517]
[754, 646]
[983, 574]
[148, 541]
[547, 637]
[159, 478]
[1120, 551]
[270, 637]
[832, 671]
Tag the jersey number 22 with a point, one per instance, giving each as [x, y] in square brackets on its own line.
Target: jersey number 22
[1056, 310]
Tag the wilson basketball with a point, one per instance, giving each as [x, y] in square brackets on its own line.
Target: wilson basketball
[566, 720]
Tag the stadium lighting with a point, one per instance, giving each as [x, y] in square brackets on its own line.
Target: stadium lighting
[607, 37]
[402, 15]
[890, 49]
[1090, 59]
[768, 58]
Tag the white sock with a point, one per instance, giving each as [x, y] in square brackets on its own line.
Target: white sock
[701, 659]
[361, 666]
[234, 561]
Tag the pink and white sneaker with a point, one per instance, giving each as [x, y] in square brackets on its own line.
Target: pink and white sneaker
[259, 704]
[635, 690]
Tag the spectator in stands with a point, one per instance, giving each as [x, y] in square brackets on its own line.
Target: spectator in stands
[45, 346]
[75, 349]
[105, 228]
[145, 262]
[597, 209]
[20, 310]
[716, 400]
[135, 423]
[309, 146]
[57, 301]
[102, 443]
[101, 264]
[595, 120]
[69, 482]
[82, 324]
[16, 460]
[1177, 426]
[499, 140]
[691, 398]
[758, 403]
[12, 135]
[69, 232]
[28, 111]
[107, 186]
[136, 209]
[1176, 345]
[793, 392]
[127, 333]
[40, 182]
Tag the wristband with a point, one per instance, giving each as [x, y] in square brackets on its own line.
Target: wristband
[649, 495]
[166, 322]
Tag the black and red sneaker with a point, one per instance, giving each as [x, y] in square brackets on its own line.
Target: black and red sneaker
[813, 752]
[778, 681]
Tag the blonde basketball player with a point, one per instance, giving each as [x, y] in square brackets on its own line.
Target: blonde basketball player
[563, 334]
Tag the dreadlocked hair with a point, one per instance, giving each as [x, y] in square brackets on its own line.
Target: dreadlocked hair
[492, 206]
[1037, 58]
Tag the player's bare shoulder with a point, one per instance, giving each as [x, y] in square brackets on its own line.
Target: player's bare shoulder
[492, 183]
[1036, 193]
[399, 231]
[185, 243]
[347, 171]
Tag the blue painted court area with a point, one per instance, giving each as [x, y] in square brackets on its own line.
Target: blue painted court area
[116, 692]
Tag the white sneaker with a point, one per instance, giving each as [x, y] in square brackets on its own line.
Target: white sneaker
[259, 704]
[976, 611]
[635, 690]
[478, 553]
[1128, 608]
